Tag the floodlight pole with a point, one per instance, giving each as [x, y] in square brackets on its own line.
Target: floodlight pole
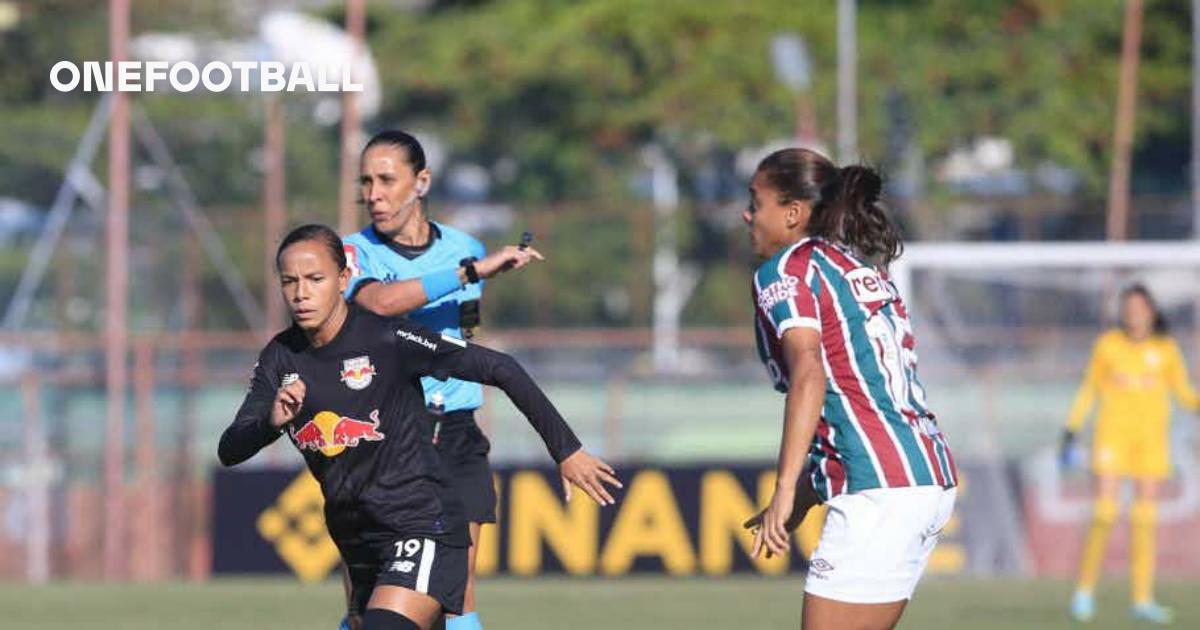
[847, 106]
[347, 208]
[274, 208]
[793, 68]
[117, 298]
[1196, 119]
[1118, 191]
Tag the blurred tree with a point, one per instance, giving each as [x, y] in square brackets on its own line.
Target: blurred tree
[1041, 73]
[558, 97]
[215, 139]
[571, 90]
[568, 89]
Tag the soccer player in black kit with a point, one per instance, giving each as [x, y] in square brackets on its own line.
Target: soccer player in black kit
[344, 385]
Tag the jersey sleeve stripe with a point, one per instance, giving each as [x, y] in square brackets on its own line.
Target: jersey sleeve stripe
[798, 264]
[799, 322]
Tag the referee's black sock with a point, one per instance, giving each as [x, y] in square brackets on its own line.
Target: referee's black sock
[383, 619]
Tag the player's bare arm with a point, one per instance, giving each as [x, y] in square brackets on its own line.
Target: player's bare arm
[802, 411]
[806, 499]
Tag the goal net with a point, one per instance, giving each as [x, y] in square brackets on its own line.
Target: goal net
[1004, 333]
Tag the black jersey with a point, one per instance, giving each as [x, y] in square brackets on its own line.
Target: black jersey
[363, 428]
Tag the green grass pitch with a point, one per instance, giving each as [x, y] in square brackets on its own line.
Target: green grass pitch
[552, 603]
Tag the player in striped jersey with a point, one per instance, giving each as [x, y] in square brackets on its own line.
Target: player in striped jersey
[837, 340]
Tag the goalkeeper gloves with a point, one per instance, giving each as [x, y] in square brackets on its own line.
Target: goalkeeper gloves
[1070, 453]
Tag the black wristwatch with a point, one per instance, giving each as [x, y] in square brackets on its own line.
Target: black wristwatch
[468, 265]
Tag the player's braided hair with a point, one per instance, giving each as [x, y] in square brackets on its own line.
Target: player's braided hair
[846, 205]
[315, 232]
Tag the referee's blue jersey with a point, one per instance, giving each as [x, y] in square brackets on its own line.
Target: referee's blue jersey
[373, 257]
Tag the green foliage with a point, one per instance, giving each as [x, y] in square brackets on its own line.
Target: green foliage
[570, 89]
[592, 271]
[1042, 73]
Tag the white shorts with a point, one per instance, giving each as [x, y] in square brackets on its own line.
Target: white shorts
[876, 543]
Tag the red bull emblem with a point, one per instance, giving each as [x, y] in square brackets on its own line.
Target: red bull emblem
[330, 433]
[357, 372]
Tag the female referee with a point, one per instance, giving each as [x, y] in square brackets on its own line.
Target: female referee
[836, 338]
[345, 385]
[403, 263]
[1133, 370]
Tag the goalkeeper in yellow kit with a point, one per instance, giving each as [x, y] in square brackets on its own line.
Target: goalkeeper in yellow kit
[1133, 371]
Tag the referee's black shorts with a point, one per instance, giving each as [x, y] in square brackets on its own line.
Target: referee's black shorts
[464, 450]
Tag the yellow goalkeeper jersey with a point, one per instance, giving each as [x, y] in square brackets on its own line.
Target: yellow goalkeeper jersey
[1134, 381]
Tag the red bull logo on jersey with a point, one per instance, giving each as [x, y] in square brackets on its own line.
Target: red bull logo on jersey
[778, 291]
[357, 372]
[329, 433]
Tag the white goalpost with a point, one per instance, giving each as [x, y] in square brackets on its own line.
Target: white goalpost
[999, 256]
[1004, 331]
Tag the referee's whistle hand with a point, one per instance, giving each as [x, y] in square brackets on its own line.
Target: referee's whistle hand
[506, 259]
[591, 475]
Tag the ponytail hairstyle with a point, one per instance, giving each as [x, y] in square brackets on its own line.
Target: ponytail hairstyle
[845, 202]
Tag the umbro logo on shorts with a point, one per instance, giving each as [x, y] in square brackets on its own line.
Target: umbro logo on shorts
[820, 565]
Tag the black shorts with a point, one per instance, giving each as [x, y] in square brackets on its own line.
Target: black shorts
[464, 450]
[424, 565]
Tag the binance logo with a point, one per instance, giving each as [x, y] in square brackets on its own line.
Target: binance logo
[295, 525]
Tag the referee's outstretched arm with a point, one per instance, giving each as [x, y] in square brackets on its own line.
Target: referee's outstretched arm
[400, 298]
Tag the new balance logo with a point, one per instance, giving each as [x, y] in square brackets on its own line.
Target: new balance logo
[403, 566]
